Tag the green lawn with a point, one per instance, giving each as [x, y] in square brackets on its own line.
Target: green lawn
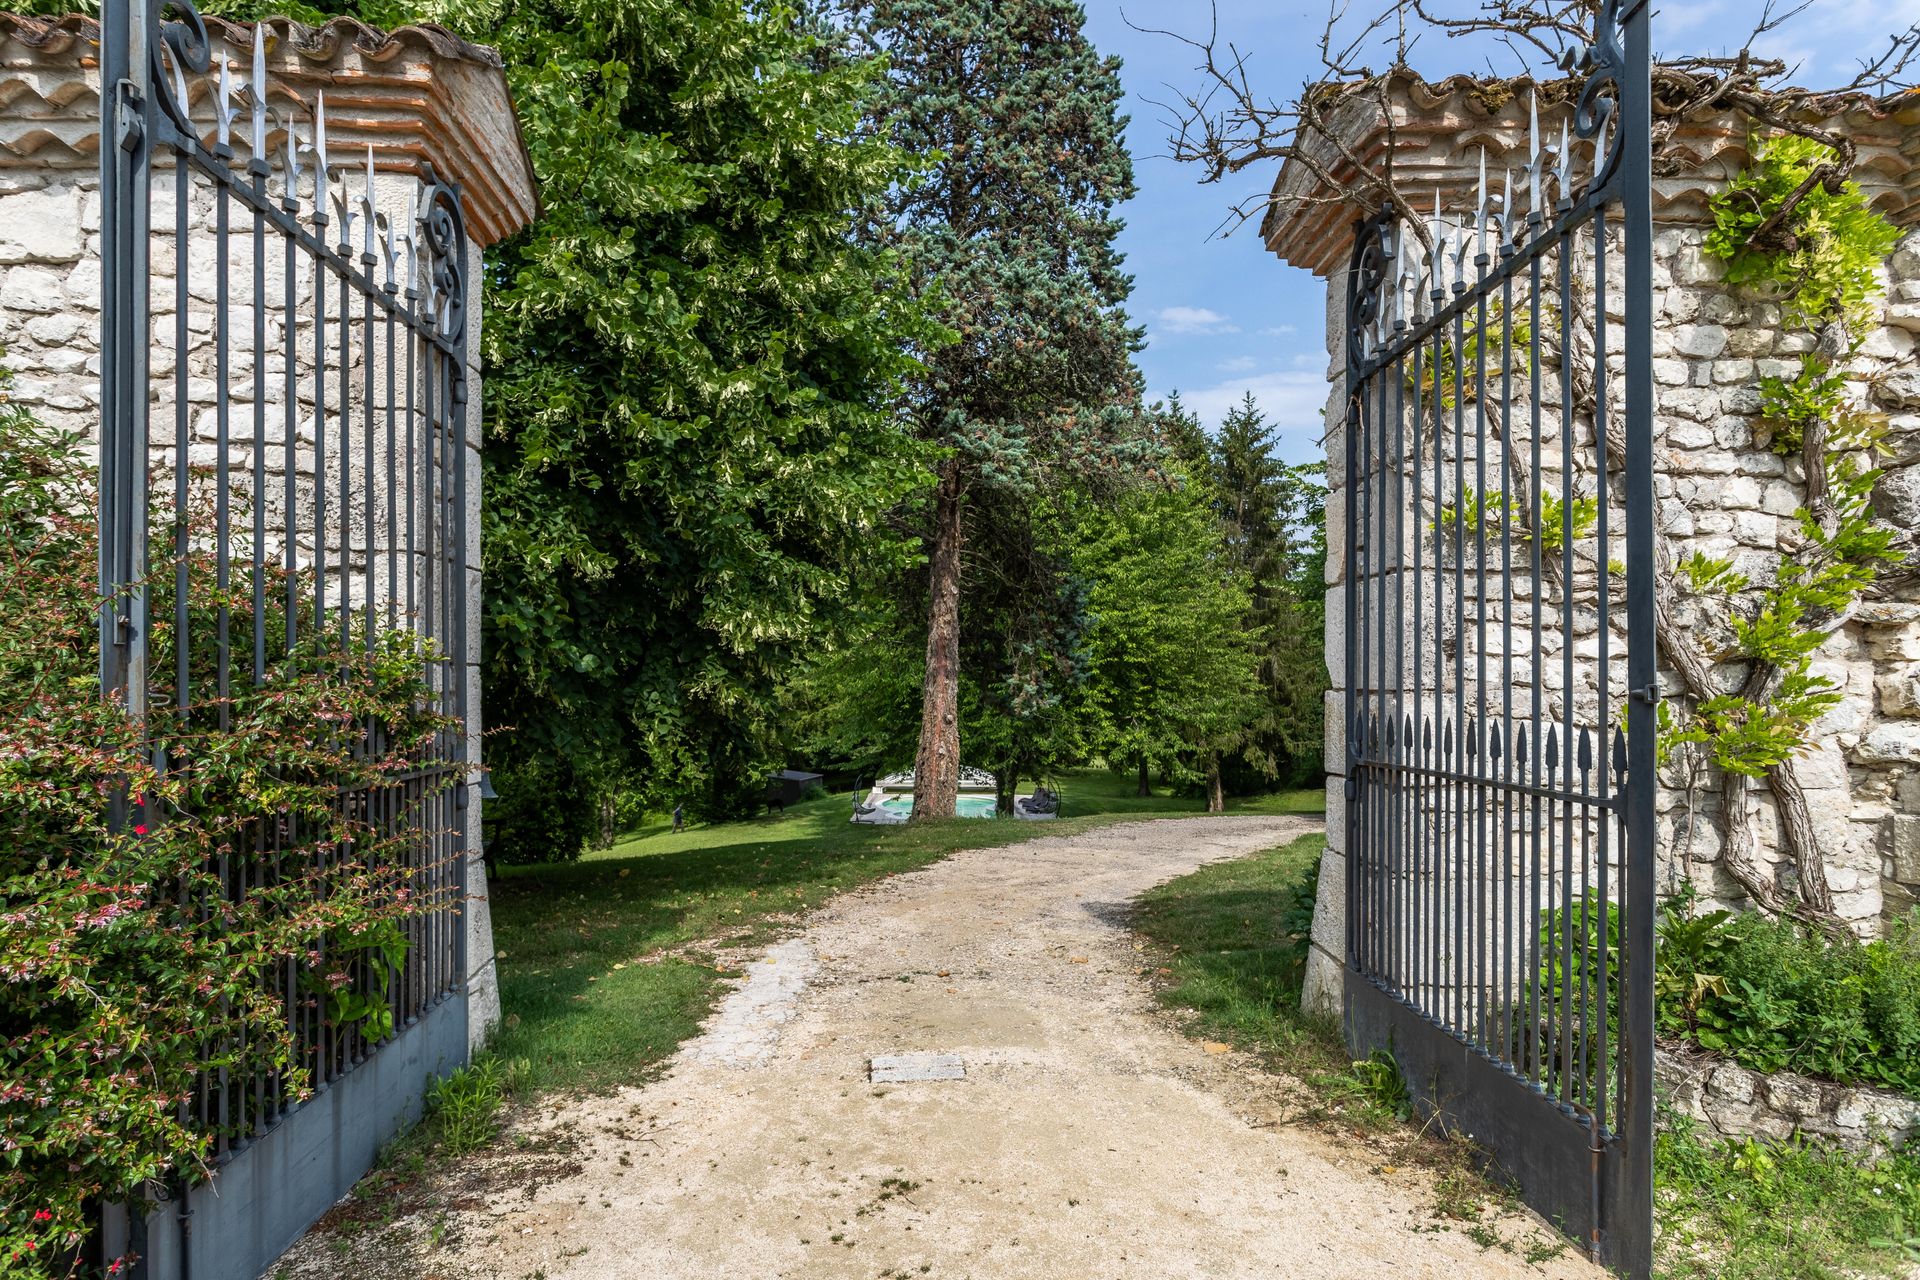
[605, 963]
[1232, 939]
[1228, 939]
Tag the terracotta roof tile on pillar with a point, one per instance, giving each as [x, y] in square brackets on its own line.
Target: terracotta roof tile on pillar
[1438, 129]
[419, 94]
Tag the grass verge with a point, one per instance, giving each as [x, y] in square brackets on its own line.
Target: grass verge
[1231, 944]
[608, 963]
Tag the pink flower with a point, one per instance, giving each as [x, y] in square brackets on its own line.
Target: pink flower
[139, 828]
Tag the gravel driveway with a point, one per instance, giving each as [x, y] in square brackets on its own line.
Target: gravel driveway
[1086, 1139]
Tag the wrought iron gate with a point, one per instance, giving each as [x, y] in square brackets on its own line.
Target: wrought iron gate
[1500, 658]
[308, 371]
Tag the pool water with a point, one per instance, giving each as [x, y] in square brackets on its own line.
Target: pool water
[966, 806]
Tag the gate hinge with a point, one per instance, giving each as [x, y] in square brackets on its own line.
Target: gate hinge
[1649, 694]
[129, 128]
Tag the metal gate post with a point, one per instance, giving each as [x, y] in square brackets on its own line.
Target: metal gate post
[1635, 1238]
[126, 66]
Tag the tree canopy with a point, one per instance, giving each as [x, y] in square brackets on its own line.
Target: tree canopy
[1010, 234]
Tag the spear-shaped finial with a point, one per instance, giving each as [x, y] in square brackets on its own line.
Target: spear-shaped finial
[1480, 213]
[290, 198]
[366, 206]
[1535, 160]
[1403, 279]
[388, 253]
[412, 237]
[320, 157]
[1564, 163]
[223, 112]
[257, 91]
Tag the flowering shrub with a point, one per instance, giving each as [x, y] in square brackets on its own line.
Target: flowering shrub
[154, 878]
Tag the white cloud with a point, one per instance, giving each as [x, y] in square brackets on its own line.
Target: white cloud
[1239, 364]
[1291, 400]
[1279, 331]
[1195, 320]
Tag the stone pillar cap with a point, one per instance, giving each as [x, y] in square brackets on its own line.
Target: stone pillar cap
[420, 95]
[1438, 129]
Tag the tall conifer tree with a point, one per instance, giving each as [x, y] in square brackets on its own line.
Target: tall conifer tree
[1011, 234]
[1273, 518]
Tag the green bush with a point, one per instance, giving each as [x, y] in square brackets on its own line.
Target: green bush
[1773, 995]
[130, 958]
[1776, 996]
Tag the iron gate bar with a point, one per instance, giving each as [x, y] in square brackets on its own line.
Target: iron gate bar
[1492, 944]
[146, 65]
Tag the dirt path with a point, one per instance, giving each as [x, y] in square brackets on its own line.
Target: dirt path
[1087, 1139]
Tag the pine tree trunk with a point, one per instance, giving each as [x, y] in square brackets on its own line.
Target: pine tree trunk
[1216, 796]
[936, 782]
[1144, 789]
[1009, 781]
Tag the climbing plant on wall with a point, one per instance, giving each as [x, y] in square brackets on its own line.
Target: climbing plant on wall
[1789, 232]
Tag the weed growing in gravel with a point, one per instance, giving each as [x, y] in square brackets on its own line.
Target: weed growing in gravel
[463, 1108]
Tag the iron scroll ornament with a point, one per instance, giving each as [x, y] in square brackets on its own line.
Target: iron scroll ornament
[175, 48]
[1369, 276]
[1604, 62]
[445, 229]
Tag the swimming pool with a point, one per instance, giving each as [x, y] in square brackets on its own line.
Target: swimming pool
[967, 806]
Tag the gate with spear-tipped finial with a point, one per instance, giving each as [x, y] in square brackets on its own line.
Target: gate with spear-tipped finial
[1501, 701]
[302, 402]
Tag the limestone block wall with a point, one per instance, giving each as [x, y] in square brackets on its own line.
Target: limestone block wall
[420, 97]
[1722, 492]
[1735, 1102]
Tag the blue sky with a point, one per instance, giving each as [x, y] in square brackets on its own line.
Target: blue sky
[1222, 315]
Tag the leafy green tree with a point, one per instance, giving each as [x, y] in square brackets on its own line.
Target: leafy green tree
[1273, 519]
[1173, 669]
[690, 371]
[1011, 232]
[692, 366]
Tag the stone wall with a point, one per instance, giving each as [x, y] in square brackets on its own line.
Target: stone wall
[1720, 491]
[1724, 494]
[421, 97]
[1732, 1101]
